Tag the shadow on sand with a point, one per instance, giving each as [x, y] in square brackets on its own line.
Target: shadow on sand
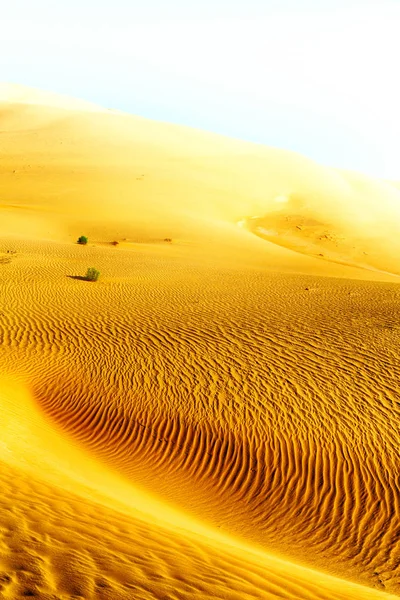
[78, 277]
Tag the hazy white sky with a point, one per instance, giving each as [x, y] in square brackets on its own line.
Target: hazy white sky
[319, 77]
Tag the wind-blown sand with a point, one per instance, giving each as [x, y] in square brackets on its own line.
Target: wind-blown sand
[218, 416]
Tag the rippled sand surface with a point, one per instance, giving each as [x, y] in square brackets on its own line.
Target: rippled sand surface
[218, 416]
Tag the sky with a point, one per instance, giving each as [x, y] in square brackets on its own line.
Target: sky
[320, 77]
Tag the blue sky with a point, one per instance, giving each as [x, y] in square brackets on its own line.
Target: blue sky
[320, 78]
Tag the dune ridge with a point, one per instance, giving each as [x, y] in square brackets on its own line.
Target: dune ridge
[243, 381]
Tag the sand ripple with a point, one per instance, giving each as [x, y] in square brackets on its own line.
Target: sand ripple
[240, 400]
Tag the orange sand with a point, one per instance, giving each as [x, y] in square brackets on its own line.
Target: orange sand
[218, 416]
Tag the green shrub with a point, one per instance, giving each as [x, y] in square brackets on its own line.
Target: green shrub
[83, 240]
[92, 274]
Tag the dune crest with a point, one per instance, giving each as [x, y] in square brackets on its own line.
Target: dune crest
[12, 93]
[216, 417]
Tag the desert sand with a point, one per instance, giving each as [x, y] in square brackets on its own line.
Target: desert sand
[218, 416]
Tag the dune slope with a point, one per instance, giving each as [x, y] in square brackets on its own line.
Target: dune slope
[218, 415]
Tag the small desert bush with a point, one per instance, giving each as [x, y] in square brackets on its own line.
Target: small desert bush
[92, 274]
[83, 240]
[167, 239]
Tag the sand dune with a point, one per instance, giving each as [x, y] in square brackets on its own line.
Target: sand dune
[217, 417]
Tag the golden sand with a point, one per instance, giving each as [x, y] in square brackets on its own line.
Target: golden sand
[218, 416]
